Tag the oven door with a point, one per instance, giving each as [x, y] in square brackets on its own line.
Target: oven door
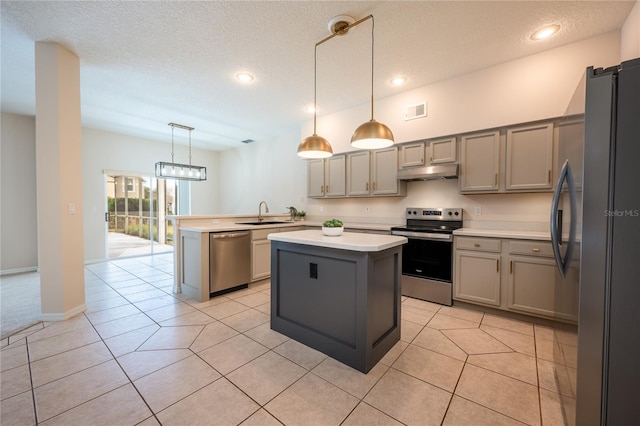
[431, 259]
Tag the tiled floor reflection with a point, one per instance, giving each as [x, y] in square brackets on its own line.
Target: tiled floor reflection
[141, 355]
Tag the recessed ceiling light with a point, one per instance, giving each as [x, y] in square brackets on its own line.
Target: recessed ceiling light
[545, 32]
[399, 80]
[310, 109]
[244, 77]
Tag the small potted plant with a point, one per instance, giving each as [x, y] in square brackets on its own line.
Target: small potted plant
[293, 212]
[300, 214]
[332, 227]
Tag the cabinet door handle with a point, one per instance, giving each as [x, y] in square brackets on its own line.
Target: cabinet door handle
[511, 267]
[431, 159]
[476, 245]
[367, 186]
[495, 179]
[322, 189]
[374, 186]
[535, 250]
[327, 189]
[497, 265]
[549, 177]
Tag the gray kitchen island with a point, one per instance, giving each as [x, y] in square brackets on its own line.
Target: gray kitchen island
[339, 295]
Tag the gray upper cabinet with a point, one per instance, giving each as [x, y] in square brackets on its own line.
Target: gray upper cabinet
[411, 155]
[443, 151]
[326, 177]
[315, 178]
[480, 162]
[529, 158]
[334, 176]
[518, 159]
[358, 173]
[384, 165]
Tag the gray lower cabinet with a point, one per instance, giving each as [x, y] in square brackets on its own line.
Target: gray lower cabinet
[343, 303]
[514, 275]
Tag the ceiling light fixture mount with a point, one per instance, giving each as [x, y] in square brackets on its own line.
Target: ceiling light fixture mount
[244, 77]
[340, 25]
[546, 32]
[180, 171]
[369, 135]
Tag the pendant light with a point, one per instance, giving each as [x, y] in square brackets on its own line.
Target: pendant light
[180, 171]
[315, 146]
[371, 134]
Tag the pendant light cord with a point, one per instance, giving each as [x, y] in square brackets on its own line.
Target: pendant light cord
[344, 31]
[189, 148]
[372, 44]
[172, 144]
[315, 85]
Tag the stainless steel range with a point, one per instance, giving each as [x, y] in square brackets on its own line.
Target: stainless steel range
[427, 259]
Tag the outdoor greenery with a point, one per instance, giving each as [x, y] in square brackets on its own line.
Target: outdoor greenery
[134, 204]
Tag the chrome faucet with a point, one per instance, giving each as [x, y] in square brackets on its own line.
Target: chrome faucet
[266, 208]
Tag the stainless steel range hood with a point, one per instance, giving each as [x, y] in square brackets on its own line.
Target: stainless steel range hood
[445, 171]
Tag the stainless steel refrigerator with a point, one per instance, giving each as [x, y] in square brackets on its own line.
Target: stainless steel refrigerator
[608, 360]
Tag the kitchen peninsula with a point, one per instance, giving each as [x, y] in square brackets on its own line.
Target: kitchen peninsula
[339, 295]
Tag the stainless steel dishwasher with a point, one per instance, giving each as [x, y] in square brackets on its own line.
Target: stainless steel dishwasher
[229, 260]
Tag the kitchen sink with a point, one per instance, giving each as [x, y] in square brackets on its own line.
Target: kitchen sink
[264, 222]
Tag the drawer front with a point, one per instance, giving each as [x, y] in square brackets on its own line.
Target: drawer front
[261, 234]
[478, 244]
[531, 248]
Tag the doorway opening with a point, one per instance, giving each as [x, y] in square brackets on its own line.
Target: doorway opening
[137, 210]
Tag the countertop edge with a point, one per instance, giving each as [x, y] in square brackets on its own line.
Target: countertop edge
[347, 241]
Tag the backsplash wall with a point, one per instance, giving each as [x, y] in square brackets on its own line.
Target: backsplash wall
[528, 211]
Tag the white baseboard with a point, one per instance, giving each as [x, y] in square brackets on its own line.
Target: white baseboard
[63, 316]
[19, 270]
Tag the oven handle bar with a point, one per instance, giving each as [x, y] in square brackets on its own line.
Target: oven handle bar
[424, 235]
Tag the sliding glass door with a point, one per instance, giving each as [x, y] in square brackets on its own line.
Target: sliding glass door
[137, 209]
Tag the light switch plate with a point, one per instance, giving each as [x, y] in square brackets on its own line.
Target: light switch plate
[477, 211]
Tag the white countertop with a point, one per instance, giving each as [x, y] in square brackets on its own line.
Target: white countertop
[510, 233]
[232, 226]
[502, 233]
[353, 241]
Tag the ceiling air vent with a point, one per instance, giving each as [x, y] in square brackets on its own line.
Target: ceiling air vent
[415, 111]
[248, 141]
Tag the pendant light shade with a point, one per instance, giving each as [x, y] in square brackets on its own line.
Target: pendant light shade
[372, 135]
[314, 146]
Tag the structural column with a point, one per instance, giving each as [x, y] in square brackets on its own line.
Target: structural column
[59, 182]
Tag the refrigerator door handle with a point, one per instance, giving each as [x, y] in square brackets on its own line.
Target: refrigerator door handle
[556, 238]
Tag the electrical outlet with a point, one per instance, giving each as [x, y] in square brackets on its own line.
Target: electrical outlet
[477, 211]
[321, 209]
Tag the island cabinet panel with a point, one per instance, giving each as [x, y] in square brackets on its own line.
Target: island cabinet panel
[343, 303]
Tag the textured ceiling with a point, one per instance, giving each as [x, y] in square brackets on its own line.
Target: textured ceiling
[146, 63]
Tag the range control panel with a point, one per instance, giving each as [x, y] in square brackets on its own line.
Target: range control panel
[433, 213]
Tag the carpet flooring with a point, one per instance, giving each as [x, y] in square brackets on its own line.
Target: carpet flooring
[19, 302]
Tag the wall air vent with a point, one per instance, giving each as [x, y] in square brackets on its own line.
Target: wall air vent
[415, 111]
[248, 141]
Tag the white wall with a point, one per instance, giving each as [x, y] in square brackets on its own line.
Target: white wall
[531, 88]
[18, 219]
[536, 87]
[102, 150]
[264, 170]
[630, 33]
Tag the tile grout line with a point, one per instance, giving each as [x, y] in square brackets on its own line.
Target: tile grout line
[33, 391]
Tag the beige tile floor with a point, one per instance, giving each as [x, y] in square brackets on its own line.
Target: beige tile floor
[141, 355]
